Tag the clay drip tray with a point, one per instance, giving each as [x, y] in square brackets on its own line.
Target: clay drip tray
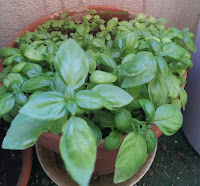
[52, 164]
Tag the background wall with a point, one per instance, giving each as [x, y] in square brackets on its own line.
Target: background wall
[17, 14]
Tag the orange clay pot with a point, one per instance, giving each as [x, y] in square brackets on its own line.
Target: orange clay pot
[105, 161]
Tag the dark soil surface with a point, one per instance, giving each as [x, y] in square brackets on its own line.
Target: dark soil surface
[176, 164]
[10, 161]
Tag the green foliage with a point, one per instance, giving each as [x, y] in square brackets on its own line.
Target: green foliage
[91, 79]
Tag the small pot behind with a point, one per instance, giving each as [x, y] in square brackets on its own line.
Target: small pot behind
[54, 168]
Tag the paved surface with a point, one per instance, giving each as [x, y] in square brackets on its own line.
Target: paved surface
[176, 164]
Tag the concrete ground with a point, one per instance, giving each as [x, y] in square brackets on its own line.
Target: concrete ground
[176, 164]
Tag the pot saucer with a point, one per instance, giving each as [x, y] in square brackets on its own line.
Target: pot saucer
[54, 168]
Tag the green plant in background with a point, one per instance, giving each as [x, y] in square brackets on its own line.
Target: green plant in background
[91, 79]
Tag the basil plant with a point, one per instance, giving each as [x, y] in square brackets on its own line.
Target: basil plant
[94, 79]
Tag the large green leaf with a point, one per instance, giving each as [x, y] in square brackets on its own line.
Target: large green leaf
[183, 97]
[158, 90]
[148, 108]
[149, 61]
[34, 54]
[190, 43]
[78, 150]
[106, 60]
[96, 131]
[132, 68]
[168, 118]
[57, 84]
[24, 132]
[151, 140]
[57, 125]
[132, 155]
[174, 51]
[20, 99]
[123, 121]
[116, 96]
[7, 52]
[101, 77]
[12, 77]
[162, 66]
[45, 106]
[71, 63]
[88, 99]
[113, 140]
[36, 83]
[7, 102]
[173, 86]
[32, 70]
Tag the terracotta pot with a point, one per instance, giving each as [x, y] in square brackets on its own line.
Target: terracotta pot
[27, 158]
[105, 162]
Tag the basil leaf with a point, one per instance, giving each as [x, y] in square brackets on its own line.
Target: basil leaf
[123, 121]
[7, 102]
[36, 83]
[190, 43]
[57, 125]
[20, 99]
[7, 52]
[18, 67]
[12, 77]
[148, 108]
[183, 97]
[32, 70]
[106, 60]
[149, 61]
[7, 118]
[3, 89]
[151, 140]
[57, 84]
[130, 40]
[45, 106]
[125, 26]
[96, 131]
[78, 150]
[132, 155]
[24, 132]
[158, 91]
[162, 66]
[134, 91]
[116, 96]
[72, 107]
[72, 68]
[100, 77]
[168, 118]
[88, 99]
[92, 62]
[99, 43]
[104, 118]
[69, 94]
[173, 86]
[177, 103]
[152, 44]
[128, 57]
[132, 68]
[113, 140]
[34, 54]
[111, 24]
[174, 51]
